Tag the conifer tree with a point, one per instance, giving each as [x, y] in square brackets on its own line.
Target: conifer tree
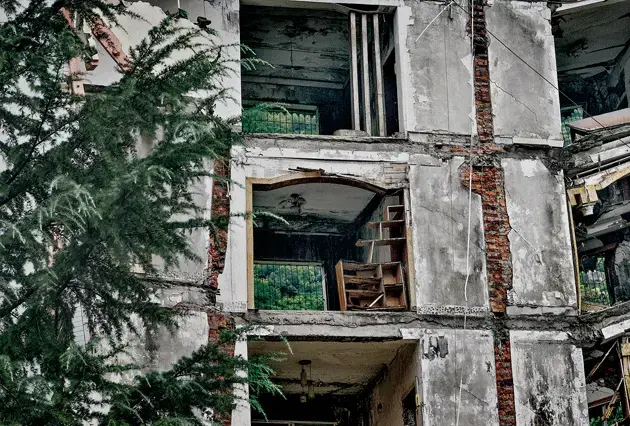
[80, 209]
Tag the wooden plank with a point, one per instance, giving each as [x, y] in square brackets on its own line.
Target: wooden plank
[375, 301]
[387, 224]
[365, 70]
[380, 93]
[341, 286]
[354, 74]
[363, 293]
[356, 266]
[348, 279]
[378, 243]
[370, 251]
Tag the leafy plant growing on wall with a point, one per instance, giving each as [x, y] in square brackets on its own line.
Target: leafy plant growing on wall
[81, 211]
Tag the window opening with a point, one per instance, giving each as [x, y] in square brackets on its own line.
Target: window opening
[289, 286]
[569, 114]
[593, 284]
[332, 73]
[409, 409]
[328, 246]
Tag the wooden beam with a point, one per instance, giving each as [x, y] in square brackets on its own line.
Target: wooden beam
[365, 71]
[354, 74]
[249, 202]
[380, 99]
[259, 79]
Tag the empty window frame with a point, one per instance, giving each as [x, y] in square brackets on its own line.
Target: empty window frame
[339, 61]
[410, 409]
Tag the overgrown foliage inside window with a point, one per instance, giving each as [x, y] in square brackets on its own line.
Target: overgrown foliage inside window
[288, 287]
[274, 118]
[593, 285]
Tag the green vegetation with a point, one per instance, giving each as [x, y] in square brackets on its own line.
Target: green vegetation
[81, 212]
[279, 118]
[290, 287]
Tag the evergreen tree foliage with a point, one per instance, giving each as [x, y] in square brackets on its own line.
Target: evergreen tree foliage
[71, 179]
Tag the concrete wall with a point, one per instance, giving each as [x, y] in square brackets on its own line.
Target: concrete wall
[398, 381]
[451, 357]
[525, 106]
[435, 68]
[549, 383]
[540, 242]
[439, 209]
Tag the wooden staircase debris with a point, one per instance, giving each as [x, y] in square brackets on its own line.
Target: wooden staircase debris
[376, 286]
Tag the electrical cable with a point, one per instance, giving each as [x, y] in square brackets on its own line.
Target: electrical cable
[473, 125]
[540, 74]
[433, 20]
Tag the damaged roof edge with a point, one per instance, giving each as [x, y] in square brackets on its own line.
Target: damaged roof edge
[601, 122]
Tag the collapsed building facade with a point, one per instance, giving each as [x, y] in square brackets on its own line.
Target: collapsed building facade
[440, 236]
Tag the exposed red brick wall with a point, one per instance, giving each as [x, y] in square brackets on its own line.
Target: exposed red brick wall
[488, 181]
[220, 213]
[505, 382]
[218, 322]
[485, 128]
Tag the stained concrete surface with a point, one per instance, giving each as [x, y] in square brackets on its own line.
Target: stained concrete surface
[518, 110]
[540, 242]
[549, 383]
[469, 361]
[439, 209]
[440, 68]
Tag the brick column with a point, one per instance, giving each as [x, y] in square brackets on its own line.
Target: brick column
[488, 181]
[220, 214]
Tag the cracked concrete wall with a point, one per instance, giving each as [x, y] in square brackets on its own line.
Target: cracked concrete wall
[540, 243]
[549, 379]
[399, 379]
[439, 209]
[436, 68]
[529, 113]
[469, 360]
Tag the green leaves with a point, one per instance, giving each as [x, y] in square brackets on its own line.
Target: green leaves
[93, 189]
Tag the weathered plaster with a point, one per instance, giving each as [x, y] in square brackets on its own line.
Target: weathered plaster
[438, 91]
[468, 360]
[523, 103]
[540, 242]
[439, 206]
[549, 383]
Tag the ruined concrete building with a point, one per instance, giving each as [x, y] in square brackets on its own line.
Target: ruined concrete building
[431, 204]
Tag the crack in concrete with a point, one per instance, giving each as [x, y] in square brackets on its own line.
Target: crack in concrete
[515, 99]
